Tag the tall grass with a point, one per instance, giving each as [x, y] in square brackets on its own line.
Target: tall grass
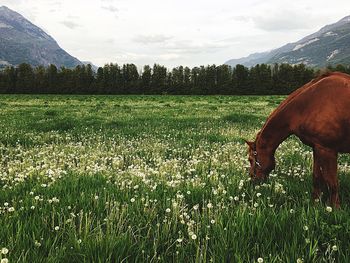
[156, 179]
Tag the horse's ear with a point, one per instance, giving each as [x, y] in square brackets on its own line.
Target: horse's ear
[250, 144]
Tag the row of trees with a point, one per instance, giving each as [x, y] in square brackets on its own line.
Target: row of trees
[127, 79]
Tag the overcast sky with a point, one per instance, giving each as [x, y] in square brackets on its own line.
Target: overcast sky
[176, 32]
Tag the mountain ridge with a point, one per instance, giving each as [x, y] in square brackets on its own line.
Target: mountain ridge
[327, 46]
[23, 42]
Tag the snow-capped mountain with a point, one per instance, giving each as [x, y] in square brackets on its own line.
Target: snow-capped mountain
[328, 46]
[23, 42]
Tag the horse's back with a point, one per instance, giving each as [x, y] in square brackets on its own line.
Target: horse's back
[321, 112]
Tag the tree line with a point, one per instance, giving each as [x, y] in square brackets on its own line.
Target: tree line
[127, 79]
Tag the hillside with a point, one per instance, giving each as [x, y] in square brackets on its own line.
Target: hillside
[21, 41]
[328, 46]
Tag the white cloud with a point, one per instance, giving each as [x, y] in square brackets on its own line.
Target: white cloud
[70, 24]
[176, 32]
[151, 39]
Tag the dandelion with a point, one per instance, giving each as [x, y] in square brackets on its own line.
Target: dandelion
[132, 200]
[55, 200]
[11, 209]
[210, 205]
[329, 209]
[57, 228]
[299, 260]
[334, 248]
[4, 251]
[194, 236]
[292, 211]
[179, 240]
[4, 260]
[258, 194]
[212, 221]
[168, 210]
[96, 197]
[260, 260]
[37, 243]
[306, 228]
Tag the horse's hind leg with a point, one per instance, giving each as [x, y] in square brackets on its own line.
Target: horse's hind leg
[325, 174]
[317, 179]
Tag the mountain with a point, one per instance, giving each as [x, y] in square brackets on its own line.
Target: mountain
[328, 46]
[23, 42]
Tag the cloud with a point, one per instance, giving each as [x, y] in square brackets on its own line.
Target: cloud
[240, 18]
[283, 19]
[110, 8]
[190, 47]
[151, 39]
[70, 24]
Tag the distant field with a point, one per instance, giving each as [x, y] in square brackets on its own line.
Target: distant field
[156, 179]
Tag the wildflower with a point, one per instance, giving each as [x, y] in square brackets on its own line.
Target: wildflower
[258, 194]
[306, 228]
[210, 205]
[194, 236]
[335, 248]
[4, 260]
[329, 209]
[260, 260]
[299, 260]
[132, 200]
[55, 200]
[57, 228]
[11, 209]
[37, 243]
[212, 221]
[179, 240]
[96, 197]
[167, 210]
[292, 211]
[4, 251]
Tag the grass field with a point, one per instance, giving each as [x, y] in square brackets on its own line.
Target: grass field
[156, 179]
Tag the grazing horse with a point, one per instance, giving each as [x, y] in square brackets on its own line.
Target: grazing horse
[319, 114]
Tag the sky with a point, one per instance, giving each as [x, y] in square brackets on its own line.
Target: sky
[176, 32]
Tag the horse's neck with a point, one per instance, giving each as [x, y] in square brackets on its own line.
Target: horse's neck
[274, 132]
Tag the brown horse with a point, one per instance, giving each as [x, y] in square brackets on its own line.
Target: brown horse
[319, 114]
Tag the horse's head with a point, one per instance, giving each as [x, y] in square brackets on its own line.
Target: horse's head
[261, 162]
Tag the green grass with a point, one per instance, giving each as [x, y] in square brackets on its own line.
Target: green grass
[156, 179]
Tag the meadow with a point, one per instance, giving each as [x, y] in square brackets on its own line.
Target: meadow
[157, 179]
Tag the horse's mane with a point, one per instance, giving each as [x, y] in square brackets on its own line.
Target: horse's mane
[323, 74]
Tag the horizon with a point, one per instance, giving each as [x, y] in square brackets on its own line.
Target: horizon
[211, 34]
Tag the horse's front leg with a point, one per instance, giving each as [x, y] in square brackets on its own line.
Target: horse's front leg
[325, 174]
